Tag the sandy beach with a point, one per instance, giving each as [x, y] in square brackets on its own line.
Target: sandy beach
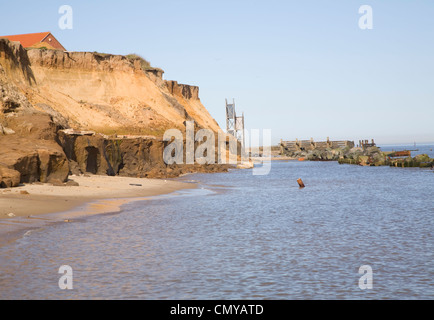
[34, 199]
[29, 205]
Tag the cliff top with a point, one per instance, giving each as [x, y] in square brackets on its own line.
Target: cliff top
[105, 93]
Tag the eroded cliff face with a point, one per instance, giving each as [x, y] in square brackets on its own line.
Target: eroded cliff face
[110, 93]
[137, 157]
[15, 63]
[44, 91]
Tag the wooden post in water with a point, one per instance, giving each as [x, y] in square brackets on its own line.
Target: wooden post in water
[300, 183]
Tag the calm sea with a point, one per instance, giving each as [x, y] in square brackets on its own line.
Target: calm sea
[241, 236]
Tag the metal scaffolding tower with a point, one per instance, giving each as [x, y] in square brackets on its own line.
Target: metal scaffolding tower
[234, 123]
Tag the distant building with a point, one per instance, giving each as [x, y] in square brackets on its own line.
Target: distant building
[37, 40]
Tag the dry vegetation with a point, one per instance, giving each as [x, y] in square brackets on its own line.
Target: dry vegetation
[145, 64]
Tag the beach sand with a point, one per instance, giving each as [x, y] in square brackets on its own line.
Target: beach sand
[32, 205]
[47, 198]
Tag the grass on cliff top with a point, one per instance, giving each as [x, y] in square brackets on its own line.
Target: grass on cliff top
[145, 64]
[102, 54]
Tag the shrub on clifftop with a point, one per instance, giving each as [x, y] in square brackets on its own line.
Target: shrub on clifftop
[145, 64]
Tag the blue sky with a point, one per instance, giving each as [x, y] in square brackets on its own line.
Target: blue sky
[301, 68]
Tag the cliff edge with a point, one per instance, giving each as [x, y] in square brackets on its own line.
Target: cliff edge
[114, 110]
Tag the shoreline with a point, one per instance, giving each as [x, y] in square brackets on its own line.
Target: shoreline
[33, 206]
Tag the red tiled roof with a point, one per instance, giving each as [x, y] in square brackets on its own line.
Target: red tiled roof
[29, 39]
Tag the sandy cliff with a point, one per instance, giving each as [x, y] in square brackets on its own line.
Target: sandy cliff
[44, 91]
[111, 93]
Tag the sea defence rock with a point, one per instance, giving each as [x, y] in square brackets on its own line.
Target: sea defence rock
[367, 155]
[373, 156]
[422, 158]
[327, 154]
[315, 150]
[421, 161]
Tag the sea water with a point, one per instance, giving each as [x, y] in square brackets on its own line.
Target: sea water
[241, 236]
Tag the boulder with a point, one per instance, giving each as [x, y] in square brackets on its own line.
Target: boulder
[52, 165]
[57, 183]
[9, 177]
[23, 160]
[422, 158]
[372, 150]
[364, 160]
[72, 183]
[379, 159]
[329, 155]
[35, 159]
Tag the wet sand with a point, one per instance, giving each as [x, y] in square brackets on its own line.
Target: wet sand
[33, 205]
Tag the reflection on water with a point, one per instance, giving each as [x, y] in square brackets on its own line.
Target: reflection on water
[259, 237]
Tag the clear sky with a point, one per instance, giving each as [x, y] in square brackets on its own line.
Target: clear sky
[301, 68]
